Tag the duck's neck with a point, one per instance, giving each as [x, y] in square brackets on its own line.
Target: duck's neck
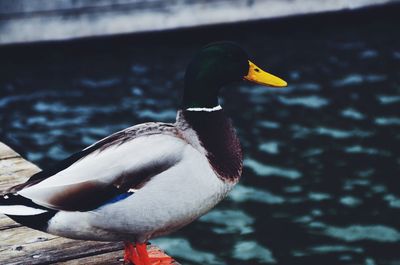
[217, 135]
[200, 94]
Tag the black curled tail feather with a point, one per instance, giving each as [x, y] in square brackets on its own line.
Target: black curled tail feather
[11, 199]
[36, 221]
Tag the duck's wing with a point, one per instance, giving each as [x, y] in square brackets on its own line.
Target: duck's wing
[118, 164]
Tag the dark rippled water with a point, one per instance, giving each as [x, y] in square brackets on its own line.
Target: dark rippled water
[321, 179]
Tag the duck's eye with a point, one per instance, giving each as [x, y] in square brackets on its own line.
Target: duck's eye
[257, 70]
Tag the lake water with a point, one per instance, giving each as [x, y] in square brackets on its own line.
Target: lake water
[322, 163]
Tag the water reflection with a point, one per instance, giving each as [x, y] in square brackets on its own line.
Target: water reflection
[309, 101]
[352, 114]
[378, 233]
[251, 250]
[181, 249]
[264, 170]
[239, 222]
[244, 194]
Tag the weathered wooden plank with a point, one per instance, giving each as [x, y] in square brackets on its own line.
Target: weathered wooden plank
[22, 245]
[6, 223]
[7, 152]
[13, 168]
[25, 246]
[110, 258]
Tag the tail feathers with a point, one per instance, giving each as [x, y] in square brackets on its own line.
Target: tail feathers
[25, 211]
[20, 210]
[14, 204]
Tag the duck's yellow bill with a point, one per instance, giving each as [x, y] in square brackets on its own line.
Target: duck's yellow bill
[261, 77]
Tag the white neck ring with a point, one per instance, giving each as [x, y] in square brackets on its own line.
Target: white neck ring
[205, 109]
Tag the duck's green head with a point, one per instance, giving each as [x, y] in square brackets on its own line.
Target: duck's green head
[216, 65]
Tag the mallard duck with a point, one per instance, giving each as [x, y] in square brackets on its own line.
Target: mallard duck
[149, 179]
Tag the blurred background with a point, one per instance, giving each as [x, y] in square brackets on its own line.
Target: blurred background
[322, 157]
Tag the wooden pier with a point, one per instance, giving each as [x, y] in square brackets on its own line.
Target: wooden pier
[24, 21]
[21, 245]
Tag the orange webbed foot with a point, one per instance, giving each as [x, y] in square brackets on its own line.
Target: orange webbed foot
[131, 255]
[139, 255]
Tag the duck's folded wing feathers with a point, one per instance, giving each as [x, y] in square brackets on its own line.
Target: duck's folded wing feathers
[107, 172]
